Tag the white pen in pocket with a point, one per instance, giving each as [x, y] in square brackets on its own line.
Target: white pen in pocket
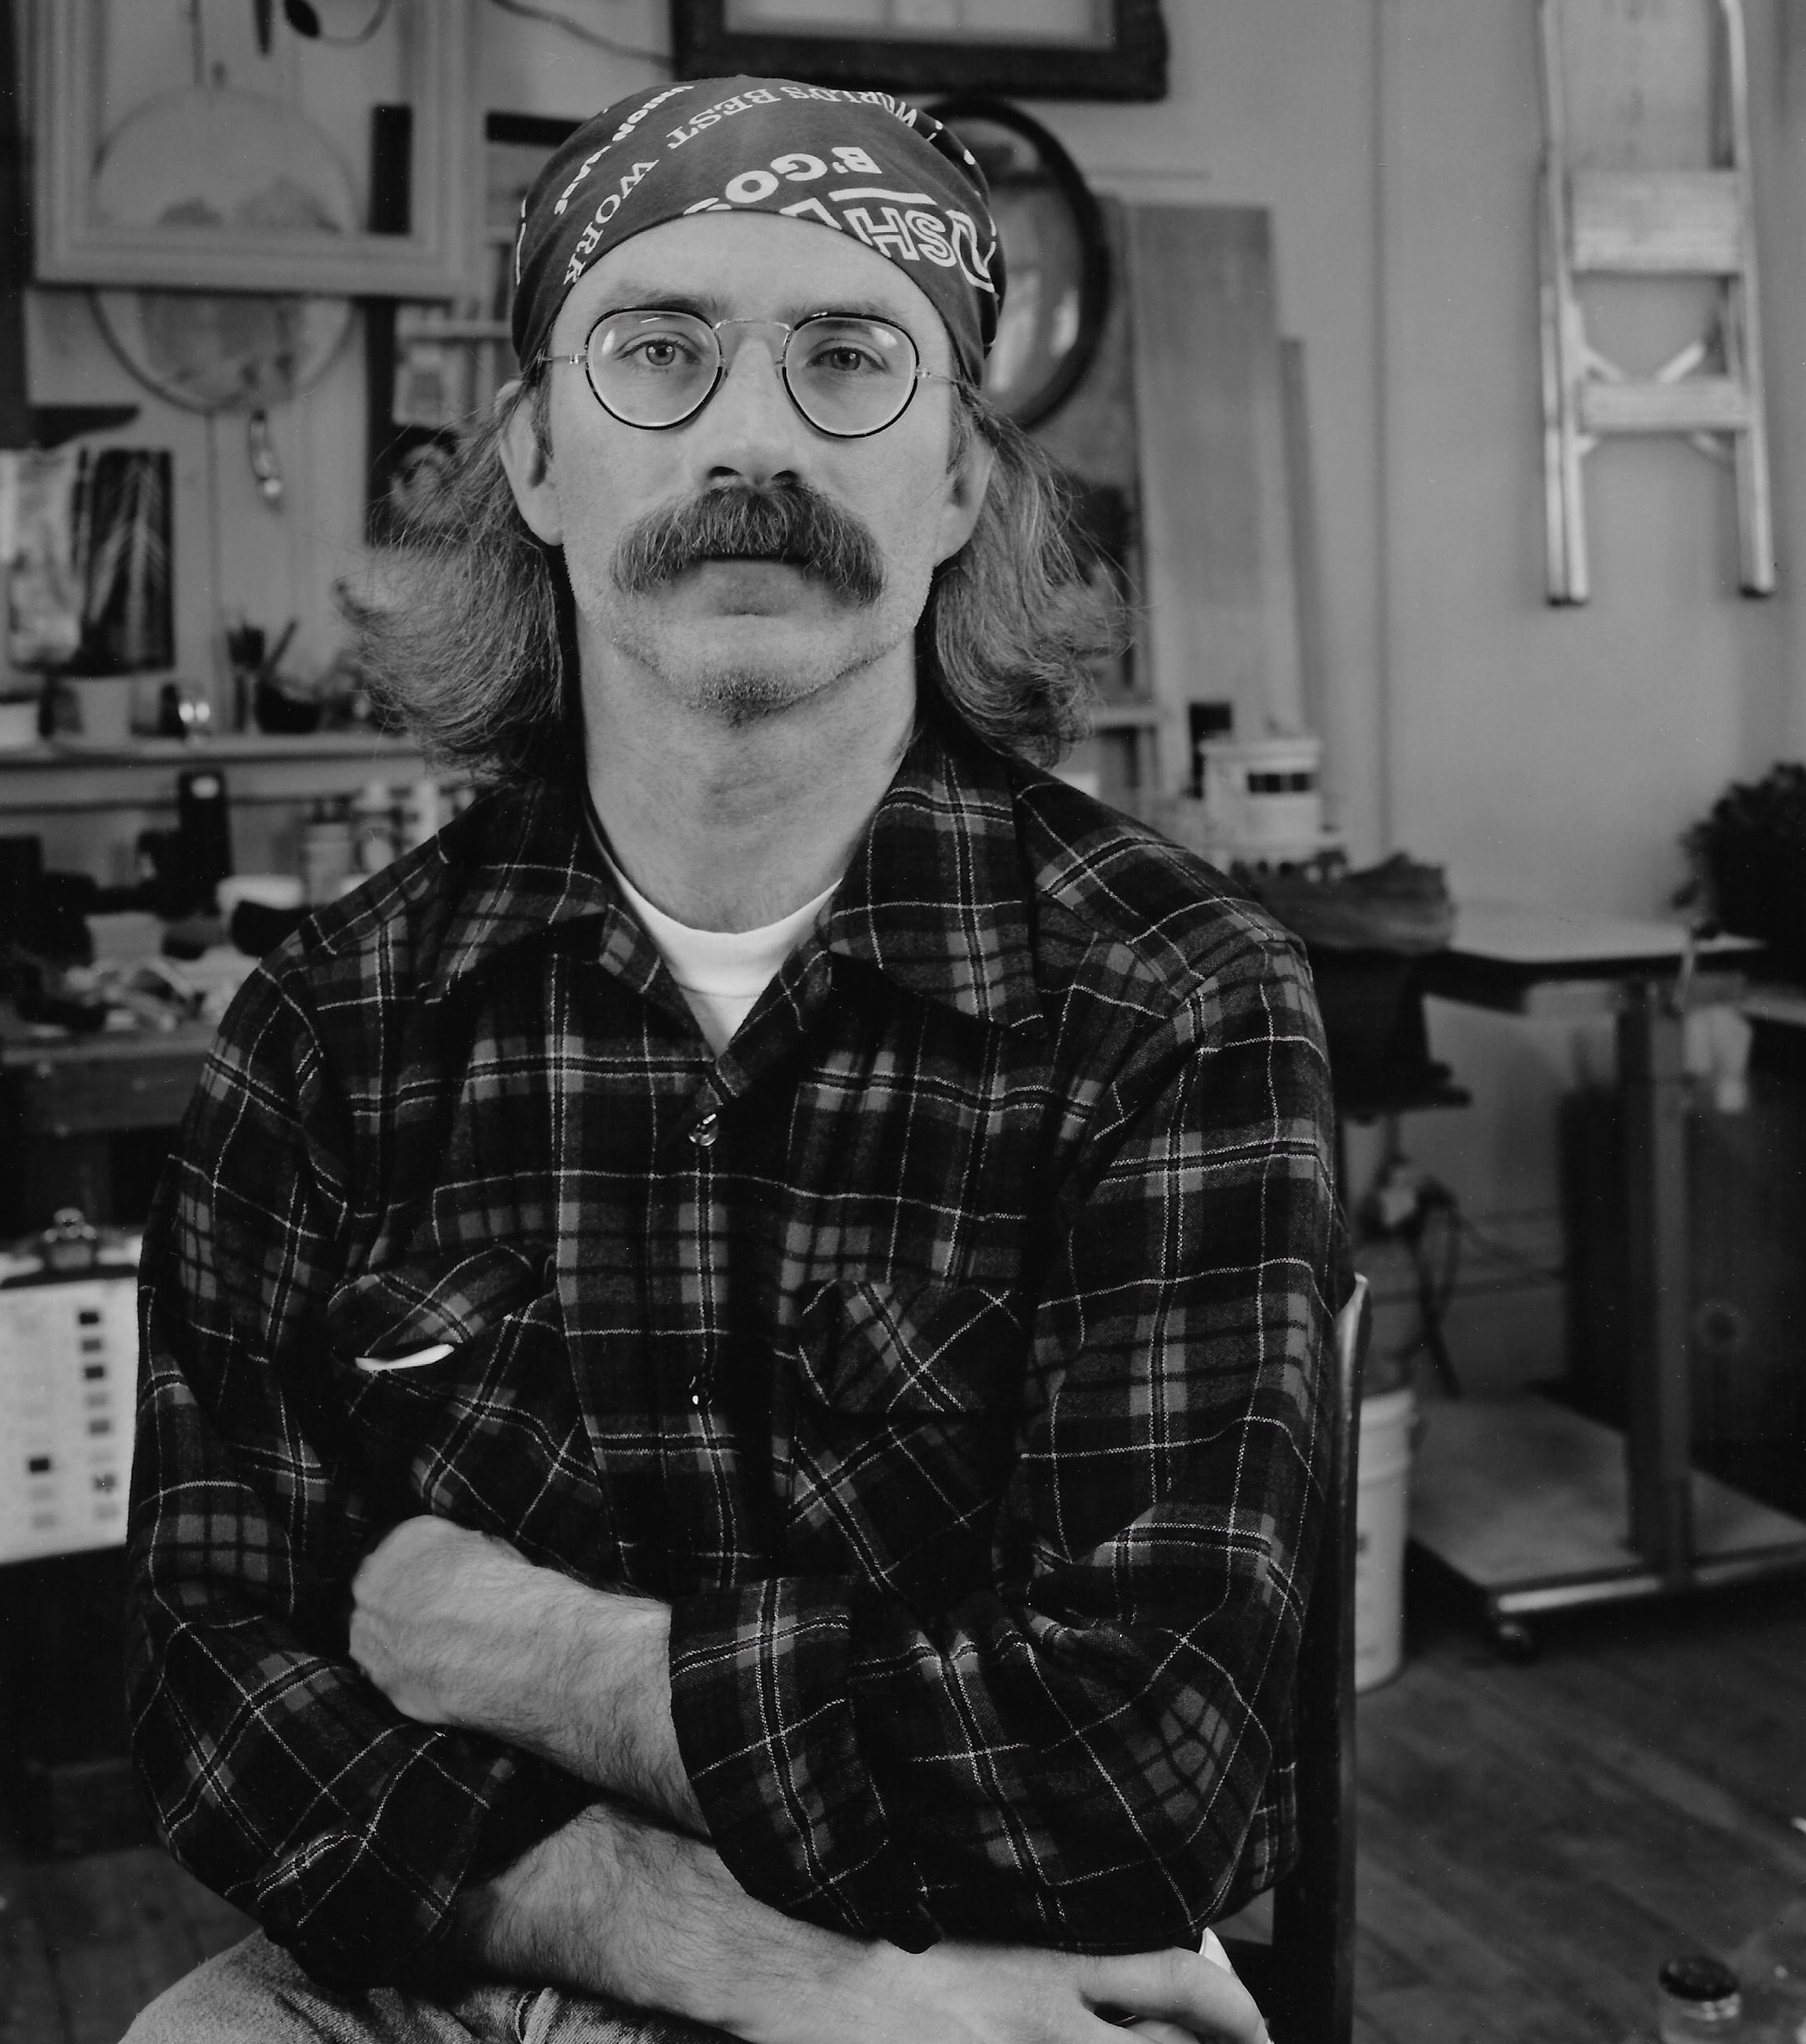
[376, 1365]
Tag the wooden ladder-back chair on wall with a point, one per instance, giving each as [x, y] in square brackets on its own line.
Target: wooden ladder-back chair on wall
[1304, 1980]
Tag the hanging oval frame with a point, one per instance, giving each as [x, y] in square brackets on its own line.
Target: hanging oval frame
[1058, 180]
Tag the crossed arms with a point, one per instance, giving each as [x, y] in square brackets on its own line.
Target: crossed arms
[628, 1899]
[1070, 1754]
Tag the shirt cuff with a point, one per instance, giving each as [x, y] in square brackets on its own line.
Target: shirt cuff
[538, 1800]
[356, 1910]
[760, 1683]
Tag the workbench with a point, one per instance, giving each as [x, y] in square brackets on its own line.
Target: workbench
[65, 1102]
[1536, 1507]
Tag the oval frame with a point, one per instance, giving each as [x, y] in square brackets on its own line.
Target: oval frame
[1094, 278]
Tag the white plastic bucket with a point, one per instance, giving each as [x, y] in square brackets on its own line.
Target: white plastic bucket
[1381, 1505]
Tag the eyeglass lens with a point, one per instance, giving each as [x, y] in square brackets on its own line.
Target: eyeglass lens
[846, 376]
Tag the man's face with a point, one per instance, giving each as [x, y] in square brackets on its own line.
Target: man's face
[744, 637]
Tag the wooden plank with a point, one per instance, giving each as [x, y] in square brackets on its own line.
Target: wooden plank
[1689, 405]
[1674, 223]
[1487, 1831]
[86, 1943]
[1779, 1662]
[1496, 1879]
[31, 2005]
[1218, 547]
[1449, 1957]
[1692, 1708]
[1307, 553]
[213, 1925]
[1633, 71]
[1486, 1787]
[1438, 2014]
[1693, 1858]
[111, 1938]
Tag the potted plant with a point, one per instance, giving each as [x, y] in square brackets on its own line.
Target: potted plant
[1748, 858]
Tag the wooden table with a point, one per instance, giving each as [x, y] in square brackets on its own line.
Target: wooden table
[1535, 1507]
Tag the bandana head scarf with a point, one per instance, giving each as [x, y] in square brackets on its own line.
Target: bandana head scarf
[862, 163]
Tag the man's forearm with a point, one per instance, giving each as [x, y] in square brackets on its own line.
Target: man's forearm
[613, 1904]
[456, 1627]
[598, 1703]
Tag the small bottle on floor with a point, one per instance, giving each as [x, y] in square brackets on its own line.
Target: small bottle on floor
[1697, 1998]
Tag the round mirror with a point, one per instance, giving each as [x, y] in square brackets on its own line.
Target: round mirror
[1057, 269]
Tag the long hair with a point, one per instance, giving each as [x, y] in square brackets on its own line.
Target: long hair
[465, 620]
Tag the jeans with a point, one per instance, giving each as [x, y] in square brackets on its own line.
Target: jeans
[256, 1994]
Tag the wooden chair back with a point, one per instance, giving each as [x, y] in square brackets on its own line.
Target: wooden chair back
[1304, 1980]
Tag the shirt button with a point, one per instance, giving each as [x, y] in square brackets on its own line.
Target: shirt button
[703, 1134]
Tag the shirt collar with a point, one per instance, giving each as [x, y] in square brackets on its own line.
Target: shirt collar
[530, 868]
[934, 899]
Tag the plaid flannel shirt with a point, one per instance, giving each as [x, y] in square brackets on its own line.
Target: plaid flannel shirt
[947, 1353]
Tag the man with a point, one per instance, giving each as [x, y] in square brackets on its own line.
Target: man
[731, 1419]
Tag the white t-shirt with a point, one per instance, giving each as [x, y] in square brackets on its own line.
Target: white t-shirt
[721, 973]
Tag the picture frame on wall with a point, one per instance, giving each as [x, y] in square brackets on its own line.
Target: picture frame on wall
[1037, 49]
[162, 165]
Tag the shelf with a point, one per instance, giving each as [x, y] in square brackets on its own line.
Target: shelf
[1528, 1502]
[1776, 1002]
[52, 424]
[258, 768]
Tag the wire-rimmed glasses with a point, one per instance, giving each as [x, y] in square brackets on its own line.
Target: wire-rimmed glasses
[847, 375]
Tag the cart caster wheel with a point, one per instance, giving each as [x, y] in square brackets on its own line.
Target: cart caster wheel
[1515, 1641]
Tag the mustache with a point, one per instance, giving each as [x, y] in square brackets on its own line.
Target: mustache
[740, 521]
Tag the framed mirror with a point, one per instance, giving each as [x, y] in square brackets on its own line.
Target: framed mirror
[1056, 255]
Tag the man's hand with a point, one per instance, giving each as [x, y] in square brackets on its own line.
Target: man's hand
[611, 1905]
[458, 1628]
[980, 1994]
[439, 1617]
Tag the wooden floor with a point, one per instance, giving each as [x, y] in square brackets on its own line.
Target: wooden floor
[85, 1943]
[1535, 1840]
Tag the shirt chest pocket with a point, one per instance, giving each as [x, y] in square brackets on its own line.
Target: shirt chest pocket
[895, 1439]
[454, 1381]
